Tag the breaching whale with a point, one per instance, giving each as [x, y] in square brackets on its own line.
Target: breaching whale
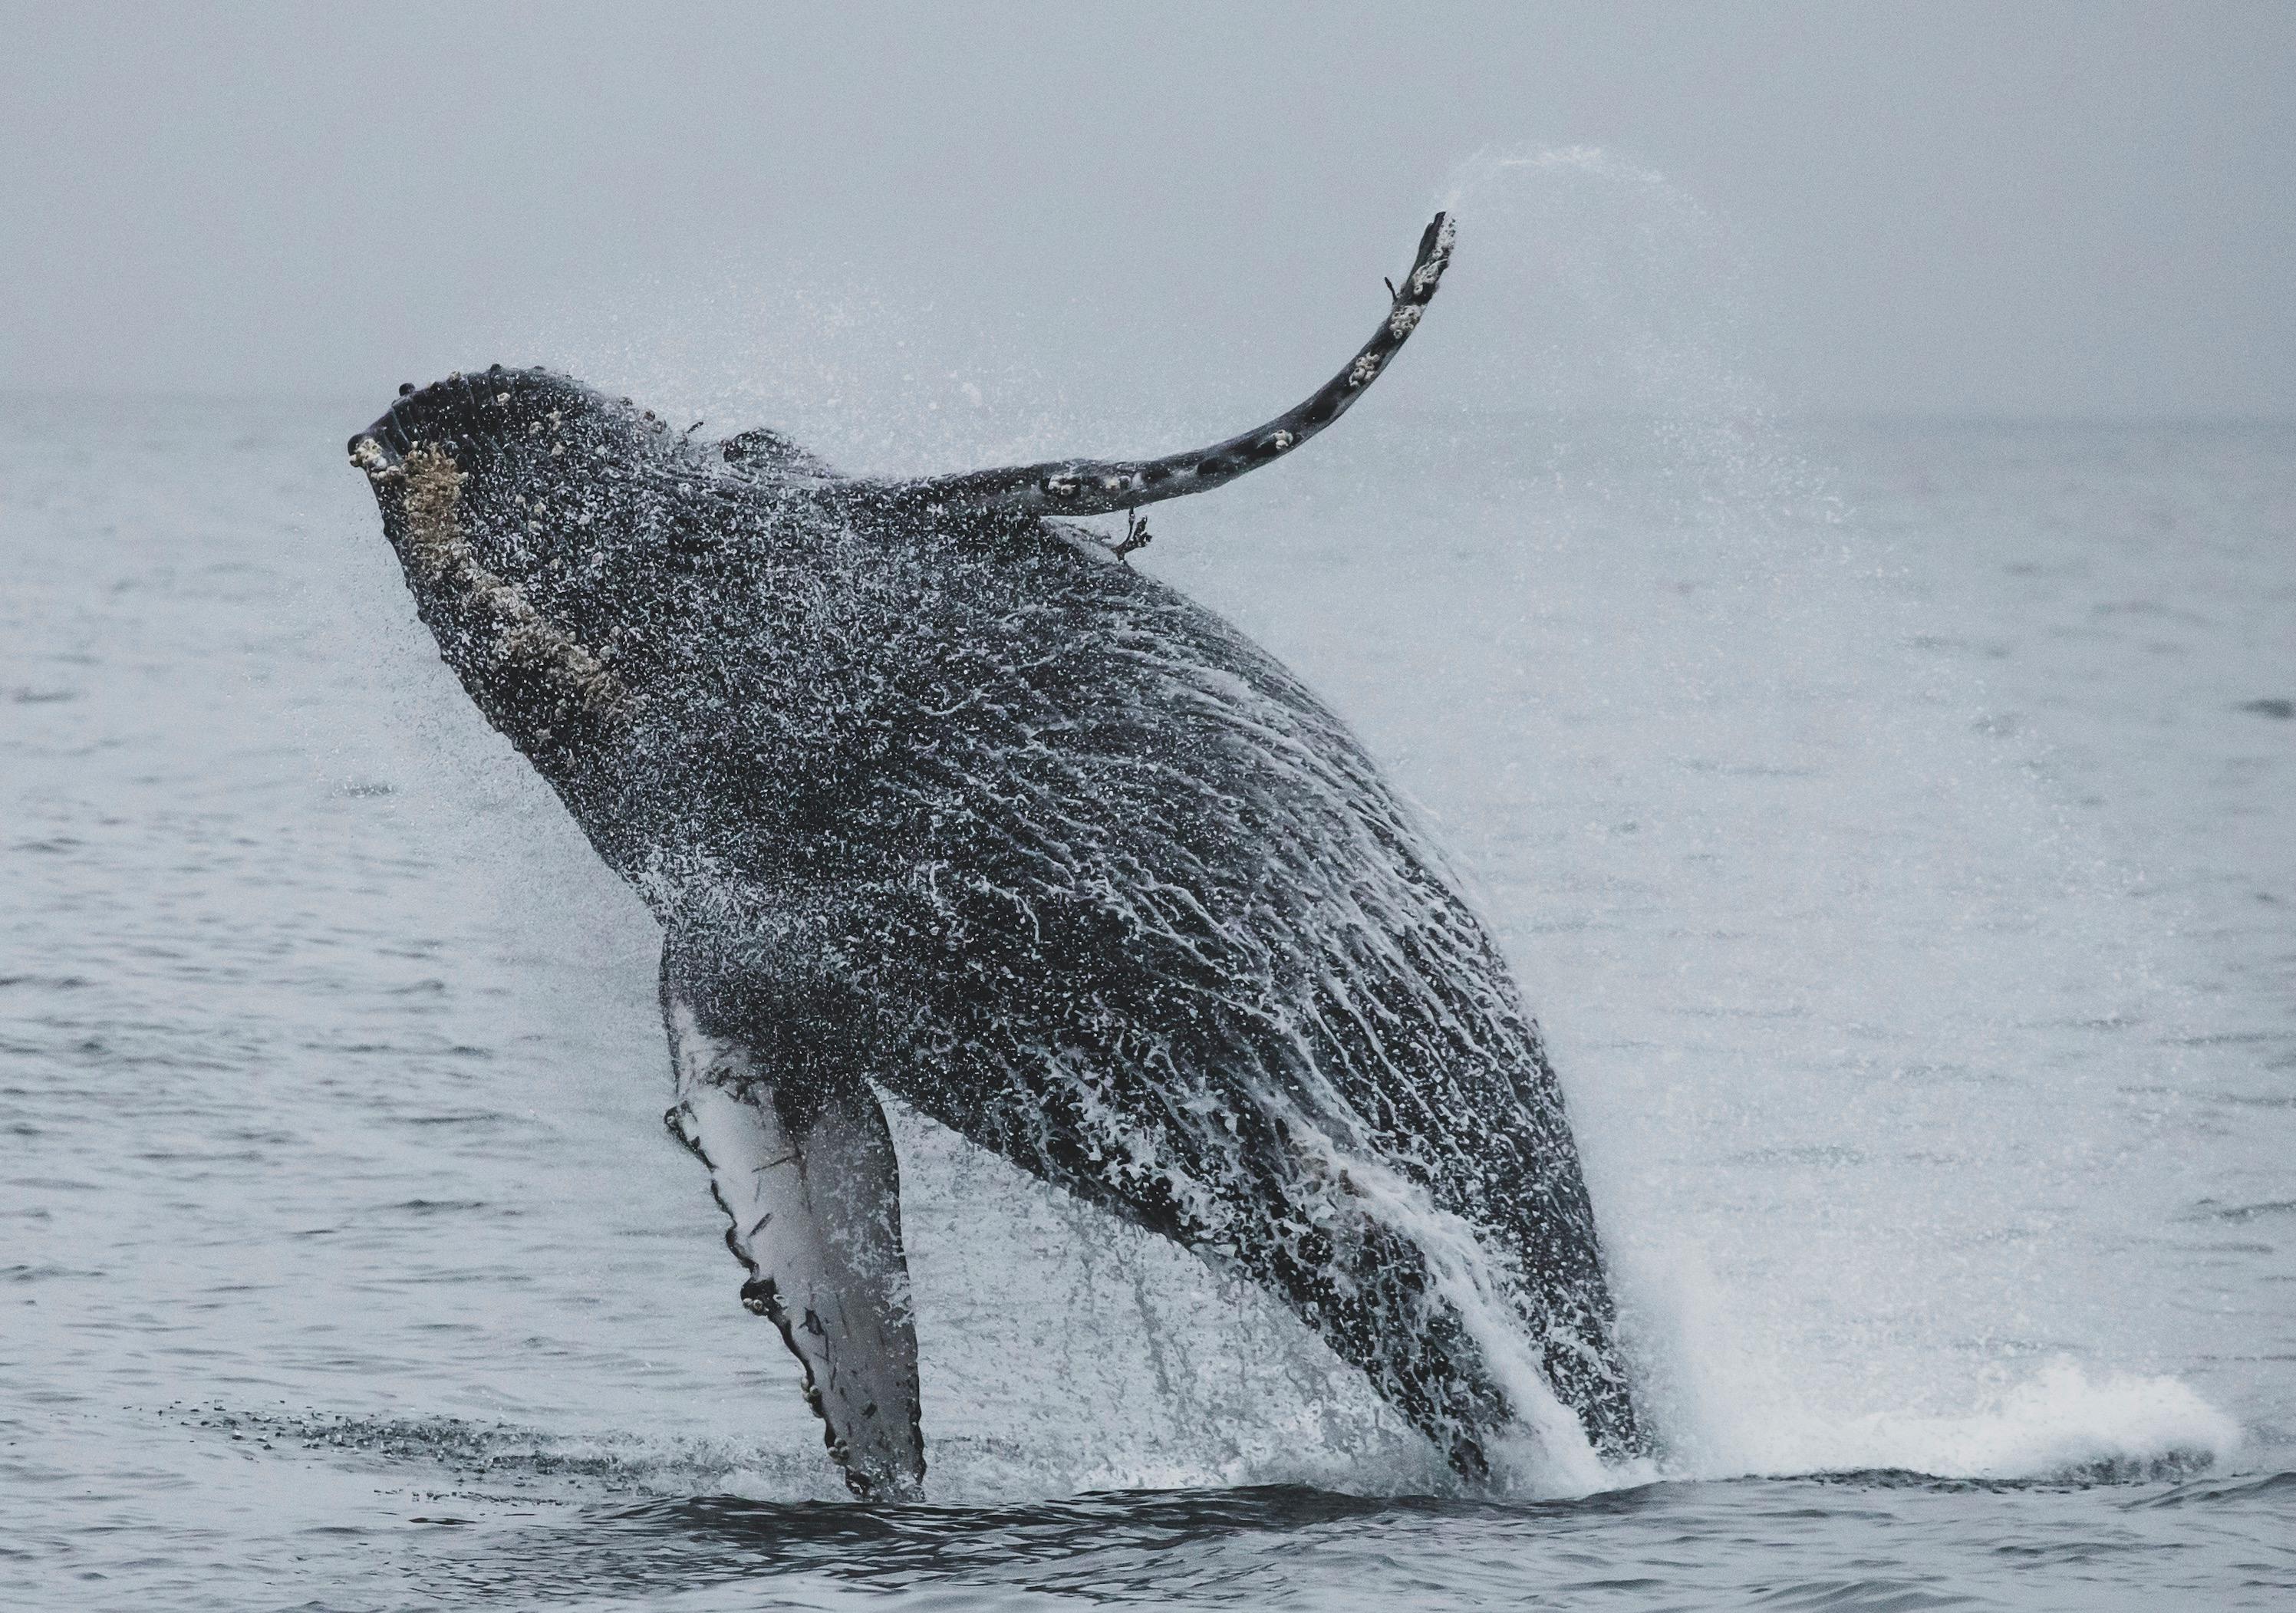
[932, 792]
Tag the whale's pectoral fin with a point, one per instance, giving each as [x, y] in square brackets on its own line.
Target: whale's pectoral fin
[1094, 487]
[803, 1167]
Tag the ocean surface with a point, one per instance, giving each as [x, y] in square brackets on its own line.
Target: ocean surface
[1893, 825]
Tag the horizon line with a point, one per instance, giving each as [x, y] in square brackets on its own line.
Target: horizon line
[1872, 414]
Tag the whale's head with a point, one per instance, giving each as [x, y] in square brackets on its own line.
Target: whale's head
[520, 473]
[517, 501]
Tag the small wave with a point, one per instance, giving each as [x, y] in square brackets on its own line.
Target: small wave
[2211, 1211]
[2061, 1425]
[477, 1460]
[2224, 1492]
[1864, 1595]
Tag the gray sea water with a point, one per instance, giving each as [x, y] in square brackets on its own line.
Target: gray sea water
[1891, 821]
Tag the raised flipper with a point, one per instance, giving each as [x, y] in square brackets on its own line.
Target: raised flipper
[802, 1164]
[1096, 486]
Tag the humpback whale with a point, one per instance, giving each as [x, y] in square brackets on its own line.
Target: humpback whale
[933, 793]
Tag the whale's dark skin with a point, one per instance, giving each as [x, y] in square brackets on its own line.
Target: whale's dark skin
[934, 794]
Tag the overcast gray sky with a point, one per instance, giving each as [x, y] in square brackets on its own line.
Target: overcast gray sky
[1980, 209]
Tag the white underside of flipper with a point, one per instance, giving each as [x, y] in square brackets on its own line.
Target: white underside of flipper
[813, 1205]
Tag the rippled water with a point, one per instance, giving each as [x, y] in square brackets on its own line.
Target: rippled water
[1894, 836]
